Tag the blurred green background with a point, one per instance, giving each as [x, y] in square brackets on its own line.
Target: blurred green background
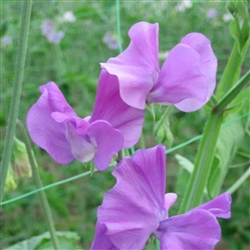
[74, 65]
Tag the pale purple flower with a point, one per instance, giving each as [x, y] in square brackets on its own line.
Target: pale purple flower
[110, 40]
[110, 107]
[137, 207]
[212, 13]
[54, 126]
[6, 40]
[187, 78]
[49, 30]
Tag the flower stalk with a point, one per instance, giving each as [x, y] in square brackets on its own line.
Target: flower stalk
[204, 158]
[16, 92]
[39, 185]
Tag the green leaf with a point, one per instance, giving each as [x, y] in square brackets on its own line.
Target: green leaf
[43, 241]
[185, 169]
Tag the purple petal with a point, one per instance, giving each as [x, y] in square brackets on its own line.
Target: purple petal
[180, 78]
[207, 66]
[108, 142]
[101, 240]
[44, 130]
[170, 199]
[110, 107]
[219, 206]
[82, 149]
[131, 211]
[197, 229]
[137, 67]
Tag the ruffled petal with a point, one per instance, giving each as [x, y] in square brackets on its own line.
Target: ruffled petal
[44, 130]
[197, 229]
[110, 107]
[207, 66]
[137, 67]
[180, 78]
[132, 209]
[108, 141]
[101, 240]
[219, 206]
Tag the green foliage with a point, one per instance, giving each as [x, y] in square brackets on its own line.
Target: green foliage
[74, 66]
[43, 242]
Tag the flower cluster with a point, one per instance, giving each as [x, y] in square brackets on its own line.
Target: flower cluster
[136, 207]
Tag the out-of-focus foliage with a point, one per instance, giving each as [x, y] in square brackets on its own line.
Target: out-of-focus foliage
[74, 65]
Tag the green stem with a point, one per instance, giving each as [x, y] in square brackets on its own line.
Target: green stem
[204, 158]
[118, 25]
[16, 92]
[231, 72]
[203, 161]
[233, 92]
[39, 185]
[239, 182]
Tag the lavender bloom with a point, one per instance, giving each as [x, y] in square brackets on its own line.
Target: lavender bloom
[6, 40]
[136, 207]
[187, 78]
[54, 126]
[212, 13]
[110, 107]
[111, 41]
[49, 30]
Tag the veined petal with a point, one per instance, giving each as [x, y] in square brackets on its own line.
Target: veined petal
[110, 107]
[207, 66]
[220, 206]
[180, 78]
[44, 130]
[132, 209]
[197, 229]
[137, 67]
[108, 141]
[101, 240]
[57, 100]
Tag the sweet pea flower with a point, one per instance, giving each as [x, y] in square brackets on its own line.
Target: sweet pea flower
[187, 78]
[136, 208]
[54, 126]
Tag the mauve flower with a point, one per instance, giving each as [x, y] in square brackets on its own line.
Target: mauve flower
[137, 207]
[187, 78]
[54, 126]
[212, 13]
[110, 40]
[6, 40]
[110, 107]
[49, 30]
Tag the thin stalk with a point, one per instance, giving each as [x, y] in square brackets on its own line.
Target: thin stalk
[39, 185]
[239, 182]
[232, 71]
[118, 25]
[204, 158]
[233, 92]
[203, 161]
[16, 92]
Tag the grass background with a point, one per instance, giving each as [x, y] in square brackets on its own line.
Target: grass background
[74, 66]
